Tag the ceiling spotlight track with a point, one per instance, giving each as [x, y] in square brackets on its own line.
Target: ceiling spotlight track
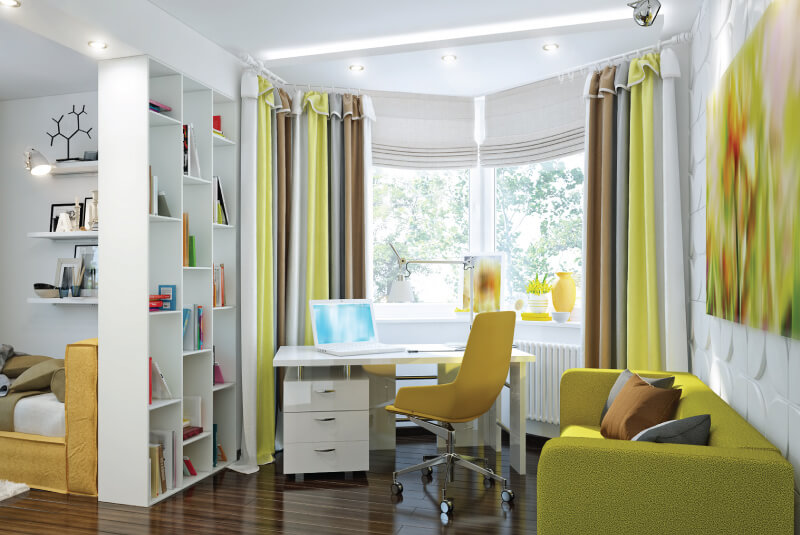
[645, 11]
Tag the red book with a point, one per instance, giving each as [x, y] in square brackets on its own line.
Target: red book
[217, 122]
[156, 304]
[160, 297]
[191, 431]
[189, 466]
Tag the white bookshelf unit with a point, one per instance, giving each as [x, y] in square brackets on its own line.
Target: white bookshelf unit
[145, 250]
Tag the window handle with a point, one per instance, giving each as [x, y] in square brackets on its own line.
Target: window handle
[329, 450]
[325, 419]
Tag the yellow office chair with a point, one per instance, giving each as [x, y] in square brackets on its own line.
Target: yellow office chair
[483, 373]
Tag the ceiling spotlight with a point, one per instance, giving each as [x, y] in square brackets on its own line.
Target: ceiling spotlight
[10, 3]
[98, 45]
[549, 47]
[355, 67]
[449, 58]
[36, 163]
[645, 11]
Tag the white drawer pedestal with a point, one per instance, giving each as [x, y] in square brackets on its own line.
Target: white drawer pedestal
[325, 421]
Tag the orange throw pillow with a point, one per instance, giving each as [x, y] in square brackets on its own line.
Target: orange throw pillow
[637, 407]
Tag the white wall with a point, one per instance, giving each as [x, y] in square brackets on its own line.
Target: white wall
[25, 207]
[756, 372]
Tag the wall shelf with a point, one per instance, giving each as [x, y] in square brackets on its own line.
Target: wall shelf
[77, 235]
[220, 141]
[63, 301]
[159, 119]
[195, 352]
[226, 307]
[222, 386]
[201, 436]
[163, 219]
[159, 403]
[165, 312]
[221, 226]
[195, 181]
[74, 168]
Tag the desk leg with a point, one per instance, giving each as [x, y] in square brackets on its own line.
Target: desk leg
[382, 423]
[518, 409]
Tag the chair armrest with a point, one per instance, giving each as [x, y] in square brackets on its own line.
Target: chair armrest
[80, 404]
[587, 485]
[583, 394]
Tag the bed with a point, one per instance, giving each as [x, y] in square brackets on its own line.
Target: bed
[54, 446]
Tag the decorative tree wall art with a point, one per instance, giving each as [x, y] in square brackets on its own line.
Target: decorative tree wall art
[68, 138]
[753, 180]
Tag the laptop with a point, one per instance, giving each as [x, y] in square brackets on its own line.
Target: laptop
[344, 327]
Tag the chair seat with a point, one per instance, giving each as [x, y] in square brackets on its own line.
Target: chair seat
[582, 431]
[426, 416]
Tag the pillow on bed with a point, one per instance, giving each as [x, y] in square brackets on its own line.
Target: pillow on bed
[37, 377]
[58, 384]
[19, 363]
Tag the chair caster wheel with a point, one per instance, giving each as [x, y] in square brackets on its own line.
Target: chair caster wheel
[446, 506]
[397, 488]
[507, 495]
[427, 471]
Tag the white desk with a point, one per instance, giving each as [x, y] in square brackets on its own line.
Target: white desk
[307, 356]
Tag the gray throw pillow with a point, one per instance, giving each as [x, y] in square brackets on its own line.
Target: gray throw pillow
[693, 430]
[659, 382]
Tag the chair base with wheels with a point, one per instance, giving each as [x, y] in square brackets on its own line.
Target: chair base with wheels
[450, 459]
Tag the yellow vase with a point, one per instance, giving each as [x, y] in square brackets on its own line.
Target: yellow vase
[564, 292]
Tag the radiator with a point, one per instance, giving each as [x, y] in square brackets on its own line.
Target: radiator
[552, 360]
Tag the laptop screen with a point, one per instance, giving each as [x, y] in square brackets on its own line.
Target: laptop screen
[338, 323]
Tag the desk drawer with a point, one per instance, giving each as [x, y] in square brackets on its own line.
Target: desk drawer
[334, 426]
[309, 458]
[332, 395]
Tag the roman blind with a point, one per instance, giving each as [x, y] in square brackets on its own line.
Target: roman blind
[423, 131]
[534, 123]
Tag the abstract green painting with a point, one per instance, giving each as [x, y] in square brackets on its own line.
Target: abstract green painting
[753, 180]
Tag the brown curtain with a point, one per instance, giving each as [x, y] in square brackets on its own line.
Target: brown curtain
[354, 273]
[600, 330]
[283, 122]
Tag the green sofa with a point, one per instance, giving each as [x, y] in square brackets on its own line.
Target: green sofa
[739, 483]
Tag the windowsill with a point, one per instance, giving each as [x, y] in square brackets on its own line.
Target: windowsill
[411, 313]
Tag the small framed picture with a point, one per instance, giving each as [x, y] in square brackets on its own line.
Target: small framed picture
[86, 202]
[66, 270]
[57, 209]
[88, 255]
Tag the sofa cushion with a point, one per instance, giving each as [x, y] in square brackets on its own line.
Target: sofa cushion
[660, 382]
[19, 363]
[692, 430]
[37, 377]
[638, 405]
[581, 431]
[58, 384]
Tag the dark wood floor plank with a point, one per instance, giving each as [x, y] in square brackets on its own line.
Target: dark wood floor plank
[270, 503]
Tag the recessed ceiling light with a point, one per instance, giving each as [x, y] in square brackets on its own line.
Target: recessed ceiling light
[10, 3]
[549, 47]
[355, 67]
[449, 58]
[98, 45]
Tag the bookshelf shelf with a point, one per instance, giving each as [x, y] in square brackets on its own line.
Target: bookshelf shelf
[226, 307]
[188, 481]
[196, 268]
[163, 219]
[222, 386]
[159, 403]
[196, 438]
[221, 226]
[77, 235]
[63, 301]
[196, 352]
[195, 181]
[75, 168]
[164, 313]
[220, 141]
[159, 119]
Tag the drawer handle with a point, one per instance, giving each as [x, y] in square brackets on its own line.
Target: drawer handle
[329, 450]
[325, 419]
[326, 391]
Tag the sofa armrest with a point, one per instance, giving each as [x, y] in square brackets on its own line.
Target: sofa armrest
[80, 404]
[583, 394]
[587, 485]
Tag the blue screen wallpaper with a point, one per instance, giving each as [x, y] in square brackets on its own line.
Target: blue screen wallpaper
[343, 322]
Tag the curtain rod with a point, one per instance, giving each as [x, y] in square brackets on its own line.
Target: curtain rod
[259, 68]
[677, 39]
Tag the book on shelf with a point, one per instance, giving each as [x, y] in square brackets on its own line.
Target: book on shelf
[218, 378]
[185, 149]
[159, 388]
[219, 285]
[156, 305]
[216, 123]
[170, 448]
[158, 106]
[185, 238]
[161, 206]
[193, 328]
[191, 156]
[220, 208]
[154, 194]
[186, 422]
[214, 446]
[200, 329]
[167, 293]
[191, 431]
[156, 453]
[192, 411]
[192, 251]
[189, 471]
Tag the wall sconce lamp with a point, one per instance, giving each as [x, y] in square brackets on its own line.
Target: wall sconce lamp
[36, 163]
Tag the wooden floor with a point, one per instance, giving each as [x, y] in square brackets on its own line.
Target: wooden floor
[268, 502]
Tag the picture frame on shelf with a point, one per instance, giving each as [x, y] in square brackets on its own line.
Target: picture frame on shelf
[66, 266]
[57, 209]
[86, 201]
[88, 254]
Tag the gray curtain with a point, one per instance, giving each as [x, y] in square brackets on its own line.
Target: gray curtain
[623, 134]
[336, 191]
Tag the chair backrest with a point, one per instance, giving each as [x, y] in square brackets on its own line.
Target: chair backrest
[487, 358]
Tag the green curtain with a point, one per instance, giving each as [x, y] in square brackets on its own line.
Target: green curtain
[644, 346]
[265, 291]
[317, 244]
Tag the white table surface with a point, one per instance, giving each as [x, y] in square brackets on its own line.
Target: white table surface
[414, 354]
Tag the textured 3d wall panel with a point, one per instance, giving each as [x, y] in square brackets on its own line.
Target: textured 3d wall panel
[756, 372]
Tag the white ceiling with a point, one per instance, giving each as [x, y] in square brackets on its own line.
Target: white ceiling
[498, 44]
[33, 66]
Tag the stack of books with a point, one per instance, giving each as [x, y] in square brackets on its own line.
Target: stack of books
[193, 328]
[156, 106]
[536, 316]
[162, 451]
[216, 126]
